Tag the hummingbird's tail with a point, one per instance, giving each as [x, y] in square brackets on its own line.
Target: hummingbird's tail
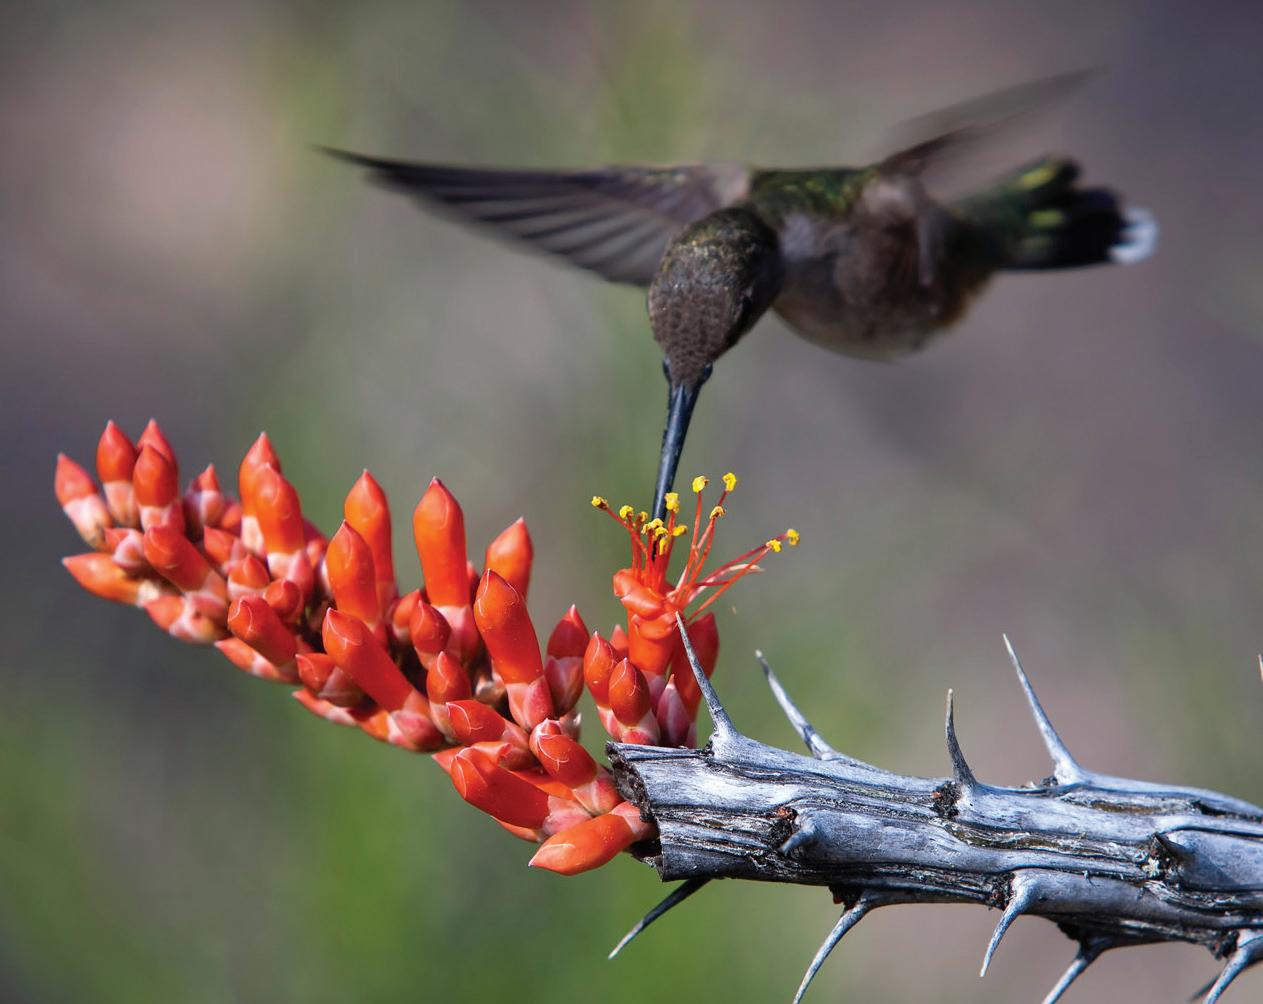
[1038, 218]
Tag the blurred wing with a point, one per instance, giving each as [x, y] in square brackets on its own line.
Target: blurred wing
[615, 221]
[941, 140]
[947, 150]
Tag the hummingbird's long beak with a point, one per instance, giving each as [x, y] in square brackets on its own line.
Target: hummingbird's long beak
[680, 401]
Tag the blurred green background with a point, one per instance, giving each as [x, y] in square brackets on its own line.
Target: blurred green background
[1079, 465]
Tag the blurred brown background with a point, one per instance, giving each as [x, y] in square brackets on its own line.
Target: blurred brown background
[1079, 465]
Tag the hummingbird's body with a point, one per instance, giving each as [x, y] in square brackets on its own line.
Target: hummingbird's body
[863, 261]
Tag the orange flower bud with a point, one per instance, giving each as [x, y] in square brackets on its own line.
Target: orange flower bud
[565, 759]
[248, 660]
[349, 563]
[127, 547]
[368, 512]
[285, 598]
[261, 455]
[439, 528]
[279, 512]
[257, 624]
[115, 455]
[230, 520]
[428, 630]
[77, 495]
[507, 631]
[629, 693]
[221, 547]
[204, 501]
[565, 681]
[258, 458]
[447, 680]
[570, 636]
[618, 641]
[510, 556]
[511, 642]
[248, 576]
[153, 436]
[322, 677]
[598, 664]
[179, 562]
[157, 489]
[101, 576]
[115, 459]
[400, 615]
[183, 618]
[473, 722]
[589, 844]
[487, 786]
[355, 650]
[631, 703]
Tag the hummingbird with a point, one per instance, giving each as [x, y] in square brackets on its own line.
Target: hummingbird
[865, 261]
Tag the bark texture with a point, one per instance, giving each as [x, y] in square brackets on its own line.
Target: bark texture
[1113, 862]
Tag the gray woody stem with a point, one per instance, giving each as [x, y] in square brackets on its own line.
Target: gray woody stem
[1113, 862]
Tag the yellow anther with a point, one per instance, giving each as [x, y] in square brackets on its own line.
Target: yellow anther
[642, 516]
[599, 503]
[700, 482]
[625, 512]
[774, 545]
[672, 501]
[730, 481]
[654, 524]
[718, 511]
[663, 544]
[793, 537]
[679, 531]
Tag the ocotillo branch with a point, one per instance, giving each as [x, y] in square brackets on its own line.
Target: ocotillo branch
[1113, 862]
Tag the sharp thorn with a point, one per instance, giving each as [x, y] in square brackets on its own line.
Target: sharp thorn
[1021, 895]
[961, 767]
[1065, 768]
[816, 746]
[1249, 950]
[673, 899]
[805, 834]
[1088, 953]
[723, 727]
[847, 921]
[1198, 995]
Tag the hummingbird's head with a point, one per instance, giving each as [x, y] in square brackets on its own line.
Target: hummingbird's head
[716, 279]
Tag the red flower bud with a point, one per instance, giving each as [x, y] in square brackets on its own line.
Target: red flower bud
[439, 527]
[368, 512]
[355, 650]
[253, 621]
[487, 786]
[510, 556]
[570, 636]
[349, 563]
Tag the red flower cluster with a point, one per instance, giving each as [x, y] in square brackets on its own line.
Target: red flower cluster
[454, 669]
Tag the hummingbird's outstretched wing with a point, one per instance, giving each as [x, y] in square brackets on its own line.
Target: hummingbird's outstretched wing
[615, 221]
